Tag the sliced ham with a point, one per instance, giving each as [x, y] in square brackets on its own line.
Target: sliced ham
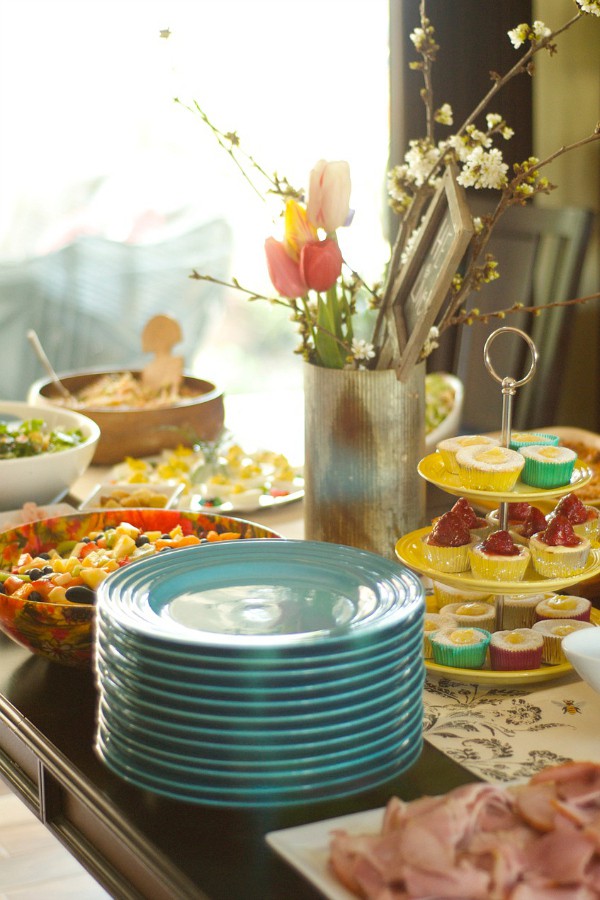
[540, 841]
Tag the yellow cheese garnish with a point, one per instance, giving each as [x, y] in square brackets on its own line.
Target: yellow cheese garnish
[562, 603]
[550, 452]
[464, 636]
[514, 638]
[492, 455]
[473, 609]
[471, 440]
[563, 630]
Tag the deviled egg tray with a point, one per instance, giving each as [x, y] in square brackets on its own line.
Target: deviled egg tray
[409, 551]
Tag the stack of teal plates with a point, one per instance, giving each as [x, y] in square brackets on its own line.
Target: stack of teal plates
[260, 673]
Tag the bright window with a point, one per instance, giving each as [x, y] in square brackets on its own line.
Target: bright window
[93, 142]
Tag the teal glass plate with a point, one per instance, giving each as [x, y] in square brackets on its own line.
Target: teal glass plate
[288, 595]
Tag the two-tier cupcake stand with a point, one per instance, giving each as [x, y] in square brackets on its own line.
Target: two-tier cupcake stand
[409, 548]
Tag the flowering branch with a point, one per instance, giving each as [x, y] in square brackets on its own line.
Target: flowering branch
[481, 166]
[473, 315]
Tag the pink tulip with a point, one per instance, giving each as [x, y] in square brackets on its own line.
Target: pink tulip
[321, 264]
[283, 271]
[329, 195]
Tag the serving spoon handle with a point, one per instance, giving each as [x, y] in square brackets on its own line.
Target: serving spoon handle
[41, 354]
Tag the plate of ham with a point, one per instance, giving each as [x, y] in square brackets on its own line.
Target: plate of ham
[538, 840]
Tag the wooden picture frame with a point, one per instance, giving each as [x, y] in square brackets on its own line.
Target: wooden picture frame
[426, 278]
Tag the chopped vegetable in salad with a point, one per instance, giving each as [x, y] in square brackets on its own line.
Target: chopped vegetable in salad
[33, 437]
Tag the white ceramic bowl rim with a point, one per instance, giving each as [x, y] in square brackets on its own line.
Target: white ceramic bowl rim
[60, 416]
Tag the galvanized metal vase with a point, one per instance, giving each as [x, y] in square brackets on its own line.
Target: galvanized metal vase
[364, 437]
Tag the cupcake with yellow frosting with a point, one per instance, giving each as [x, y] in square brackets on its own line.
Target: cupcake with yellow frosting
[564, 606]
[460, 647]
[470, 615]
[547, 467]
[519, 648]
[489, 468]
[519, 439]
[432, 622]
[553, 631]
[518, 610]
[445, 594]
[449, 447]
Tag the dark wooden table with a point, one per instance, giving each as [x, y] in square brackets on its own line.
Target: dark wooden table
[135, 843]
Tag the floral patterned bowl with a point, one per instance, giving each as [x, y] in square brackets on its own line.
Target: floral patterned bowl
[64, 632]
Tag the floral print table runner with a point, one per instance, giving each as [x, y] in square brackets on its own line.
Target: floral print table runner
[506, 734]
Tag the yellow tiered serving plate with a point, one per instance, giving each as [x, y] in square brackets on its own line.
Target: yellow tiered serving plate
[432, 469]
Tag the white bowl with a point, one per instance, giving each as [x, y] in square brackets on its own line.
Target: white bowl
[582, 649]
[448, 427]
[48, 476]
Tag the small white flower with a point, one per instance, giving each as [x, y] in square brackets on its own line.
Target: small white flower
[444, 115]
[540, 30]
[484, 169]
[493, 119]
[431, 342]
[420, 159]
[590, 6]
[418, 38]
[507, 133]
[519, 35]
[362, 349]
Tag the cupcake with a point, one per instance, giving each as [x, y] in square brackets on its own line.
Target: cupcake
[518, 610]
[519, 439]
[557, 552]
[432, 622]
[584, 519]
[489, 468]
[553, 632]
[470, 615]
[564, 606]
[498, 558]
[547, 467]
[445, 594]
[446, 546]
[449, 447]
[460, 647]
[519, 648]
[478, 526]
[523, 520]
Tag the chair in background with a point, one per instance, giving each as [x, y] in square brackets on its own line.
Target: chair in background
[540, 255]
[89, 301]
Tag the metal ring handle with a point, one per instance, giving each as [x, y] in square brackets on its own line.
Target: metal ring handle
[488, 362]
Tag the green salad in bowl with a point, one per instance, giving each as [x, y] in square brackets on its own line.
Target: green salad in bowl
[35, 436]
[443, 407]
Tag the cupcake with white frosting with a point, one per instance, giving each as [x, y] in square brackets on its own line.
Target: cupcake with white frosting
[553, 631]
[489, 468]
[449, 447]
[518, 648]
[547, 467]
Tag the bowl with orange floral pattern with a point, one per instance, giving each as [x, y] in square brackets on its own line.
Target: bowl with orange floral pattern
[50, 569]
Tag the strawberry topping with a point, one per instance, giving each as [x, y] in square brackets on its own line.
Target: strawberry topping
[499, 543]
[573, 509]
[559, 533]
[449, 531]
[466, 512]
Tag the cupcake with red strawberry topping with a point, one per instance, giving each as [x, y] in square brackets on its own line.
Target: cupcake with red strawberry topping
[523, 520]
[446, 546]
[557, 552]
[498, 558]
[584, 519]
[478, 526]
